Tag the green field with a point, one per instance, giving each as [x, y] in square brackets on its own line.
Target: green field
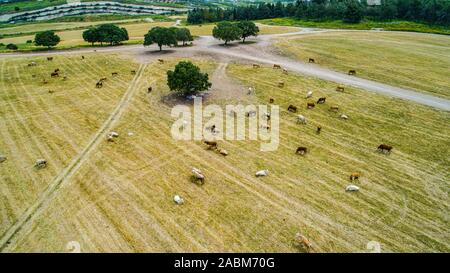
[411, 60]
[364, 25]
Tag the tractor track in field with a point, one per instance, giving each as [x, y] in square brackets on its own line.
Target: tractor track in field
[30, 214]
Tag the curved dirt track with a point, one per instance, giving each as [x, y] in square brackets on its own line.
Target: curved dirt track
[33, 211]
[261, 52]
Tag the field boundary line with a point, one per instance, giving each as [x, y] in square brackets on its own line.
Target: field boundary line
[40, 204]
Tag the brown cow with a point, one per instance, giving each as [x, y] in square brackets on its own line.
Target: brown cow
[303, 242]
[103, 79]
[133, 72]
[211, 144]
[271, 100]
[319, 129]
[82, 57]
[310, 105]
[281, 84]
[54, 74]
[99, 84]
[321, 100]
[149, 90]
[311, 60]
[285, 71]
[354, 176]
[51, 91]
[49, 58]
[256, 66]
[56, 70]
[292, 109]
[352, 72]
[301, 150]
[161, 61]
[276, 66]
[340, 88]
[384, 148]
[115, 73]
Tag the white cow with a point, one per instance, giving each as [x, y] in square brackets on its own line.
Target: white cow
[301, 119]
[343, 116]
[352, 188]
[309, 94]
[262, 173]
[178, 199]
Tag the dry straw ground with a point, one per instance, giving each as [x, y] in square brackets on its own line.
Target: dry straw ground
[121, 197]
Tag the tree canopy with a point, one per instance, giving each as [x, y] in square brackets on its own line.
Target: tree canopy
[182, 34]
[106, 33]
[160, 36]
[46, 38]
[227, 32]
[187, 79]
[248, 28]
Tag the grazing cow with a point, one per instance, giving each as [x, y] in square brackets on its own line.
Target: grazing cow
[292, 109]
[311, 60]
[309, 94]
[266, 127]
[334, 108]
[161, 61]
[340, 88]
[51, 91]
[211, 144]
[276, 66]
[303, 241]
[271, 100]
[198, 175]
[82, 57]
[3, 158]
[54, 74]
[281, 84]
[321, 100]
[177, 199]
[250, 90]
[99, 84]
[133, 72]
[32, 64]
[56, 70]
[354, 176]
[310, 105]
[343, 116]
[49, 58]
[385, 148]
[223, 152]
[44, 81]
[103, 79]
[301, 119]
[149, 90]
[301, 150]
[115, 73]
[266, 116]
[319, 129]
[352, 188]
[285, 71]
[262, 173]
[40, 163]
[352, 72]
[65, 78]
[256, 66]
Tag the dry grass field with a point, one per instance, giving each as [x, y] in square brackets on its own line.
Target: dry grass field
[121, 197]
[411, 60]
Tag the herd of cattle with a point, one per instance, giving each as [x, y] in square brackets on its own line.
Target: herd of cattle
[197, 174]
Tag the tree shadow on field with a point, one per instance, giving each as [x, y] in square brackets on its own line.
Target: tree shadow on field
[173, 99]
[158, 52]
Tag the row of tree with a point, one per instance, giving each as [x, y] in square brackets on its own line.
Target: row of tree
[351, 11]
[167, 36]
[106, 33]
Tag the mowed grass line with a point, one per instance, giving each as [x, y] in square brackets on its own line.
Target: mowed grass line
[121, 199]
[417, 61]
[36, 124]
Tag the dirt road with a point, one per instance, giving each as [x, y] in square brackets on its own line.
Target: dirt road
[261, 52]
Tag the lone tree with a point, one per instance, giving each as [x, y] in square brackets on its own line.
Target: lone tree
[248, 28]
[160, 36]
[227, 31]
[187, 79]
[182, 34]
[106, 33]
[46, 38]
